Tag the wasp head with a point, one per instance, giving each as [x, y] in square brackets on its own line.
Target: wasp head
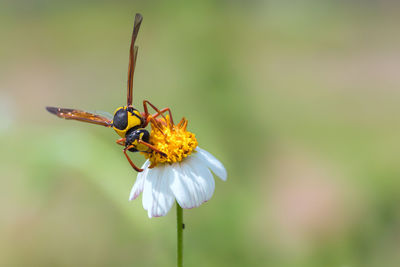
[126, 118]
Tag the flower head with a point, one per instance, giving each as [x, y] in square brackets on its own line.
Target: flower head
[173, 140]
[183, 173]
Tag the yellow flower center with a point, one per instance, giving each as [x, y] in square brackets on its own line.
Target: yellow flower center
[174, 141]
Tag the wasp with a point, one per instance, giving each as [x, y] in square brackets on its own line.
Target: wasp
[127, 121]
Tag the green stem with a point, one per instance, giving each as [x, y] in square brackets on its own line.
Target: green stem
[179, 228]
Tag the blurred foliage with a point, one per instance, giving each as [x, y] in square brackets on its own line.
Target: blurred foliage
[299, 100]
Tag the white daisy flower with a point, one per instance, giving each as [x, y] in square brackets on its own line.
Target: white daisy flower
[182, 174]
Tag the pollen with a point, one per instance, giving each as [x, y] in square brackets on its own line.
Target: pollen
[174, 141]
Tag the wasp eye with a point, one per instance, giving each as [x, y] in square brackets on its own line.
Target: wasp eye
[120, 120]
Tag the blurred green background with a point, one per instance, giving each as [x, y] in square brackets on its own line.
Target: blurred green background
[299, 100]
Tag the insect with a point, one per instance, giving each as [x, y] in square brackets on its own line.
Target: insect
[127, 122]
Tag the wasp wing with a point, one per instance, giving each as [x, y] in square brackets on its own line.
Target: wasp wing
[104, 114]
[80, 115]
[132, 57]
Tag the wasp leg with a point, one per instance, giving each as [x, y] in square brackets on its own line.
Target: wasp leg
[130, 161]
[147, 114]
[155, 123]
[152, 118]
[161, 112]
[146, 110]
[151, 147]
[121, 141]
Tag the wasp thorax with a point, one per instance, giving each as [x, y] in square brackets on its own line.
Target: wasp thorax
[126, 118]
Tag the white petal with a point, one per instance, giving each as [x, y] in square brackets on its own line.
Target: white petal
[189, 192]
[204, 177]
[147, 198]
[161, 193]
[214, 164]
[157, 197]
[138, 186]
[176, 185]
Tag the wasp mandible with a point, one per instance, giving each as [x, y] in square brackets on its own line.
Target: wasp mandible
[127, 122]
